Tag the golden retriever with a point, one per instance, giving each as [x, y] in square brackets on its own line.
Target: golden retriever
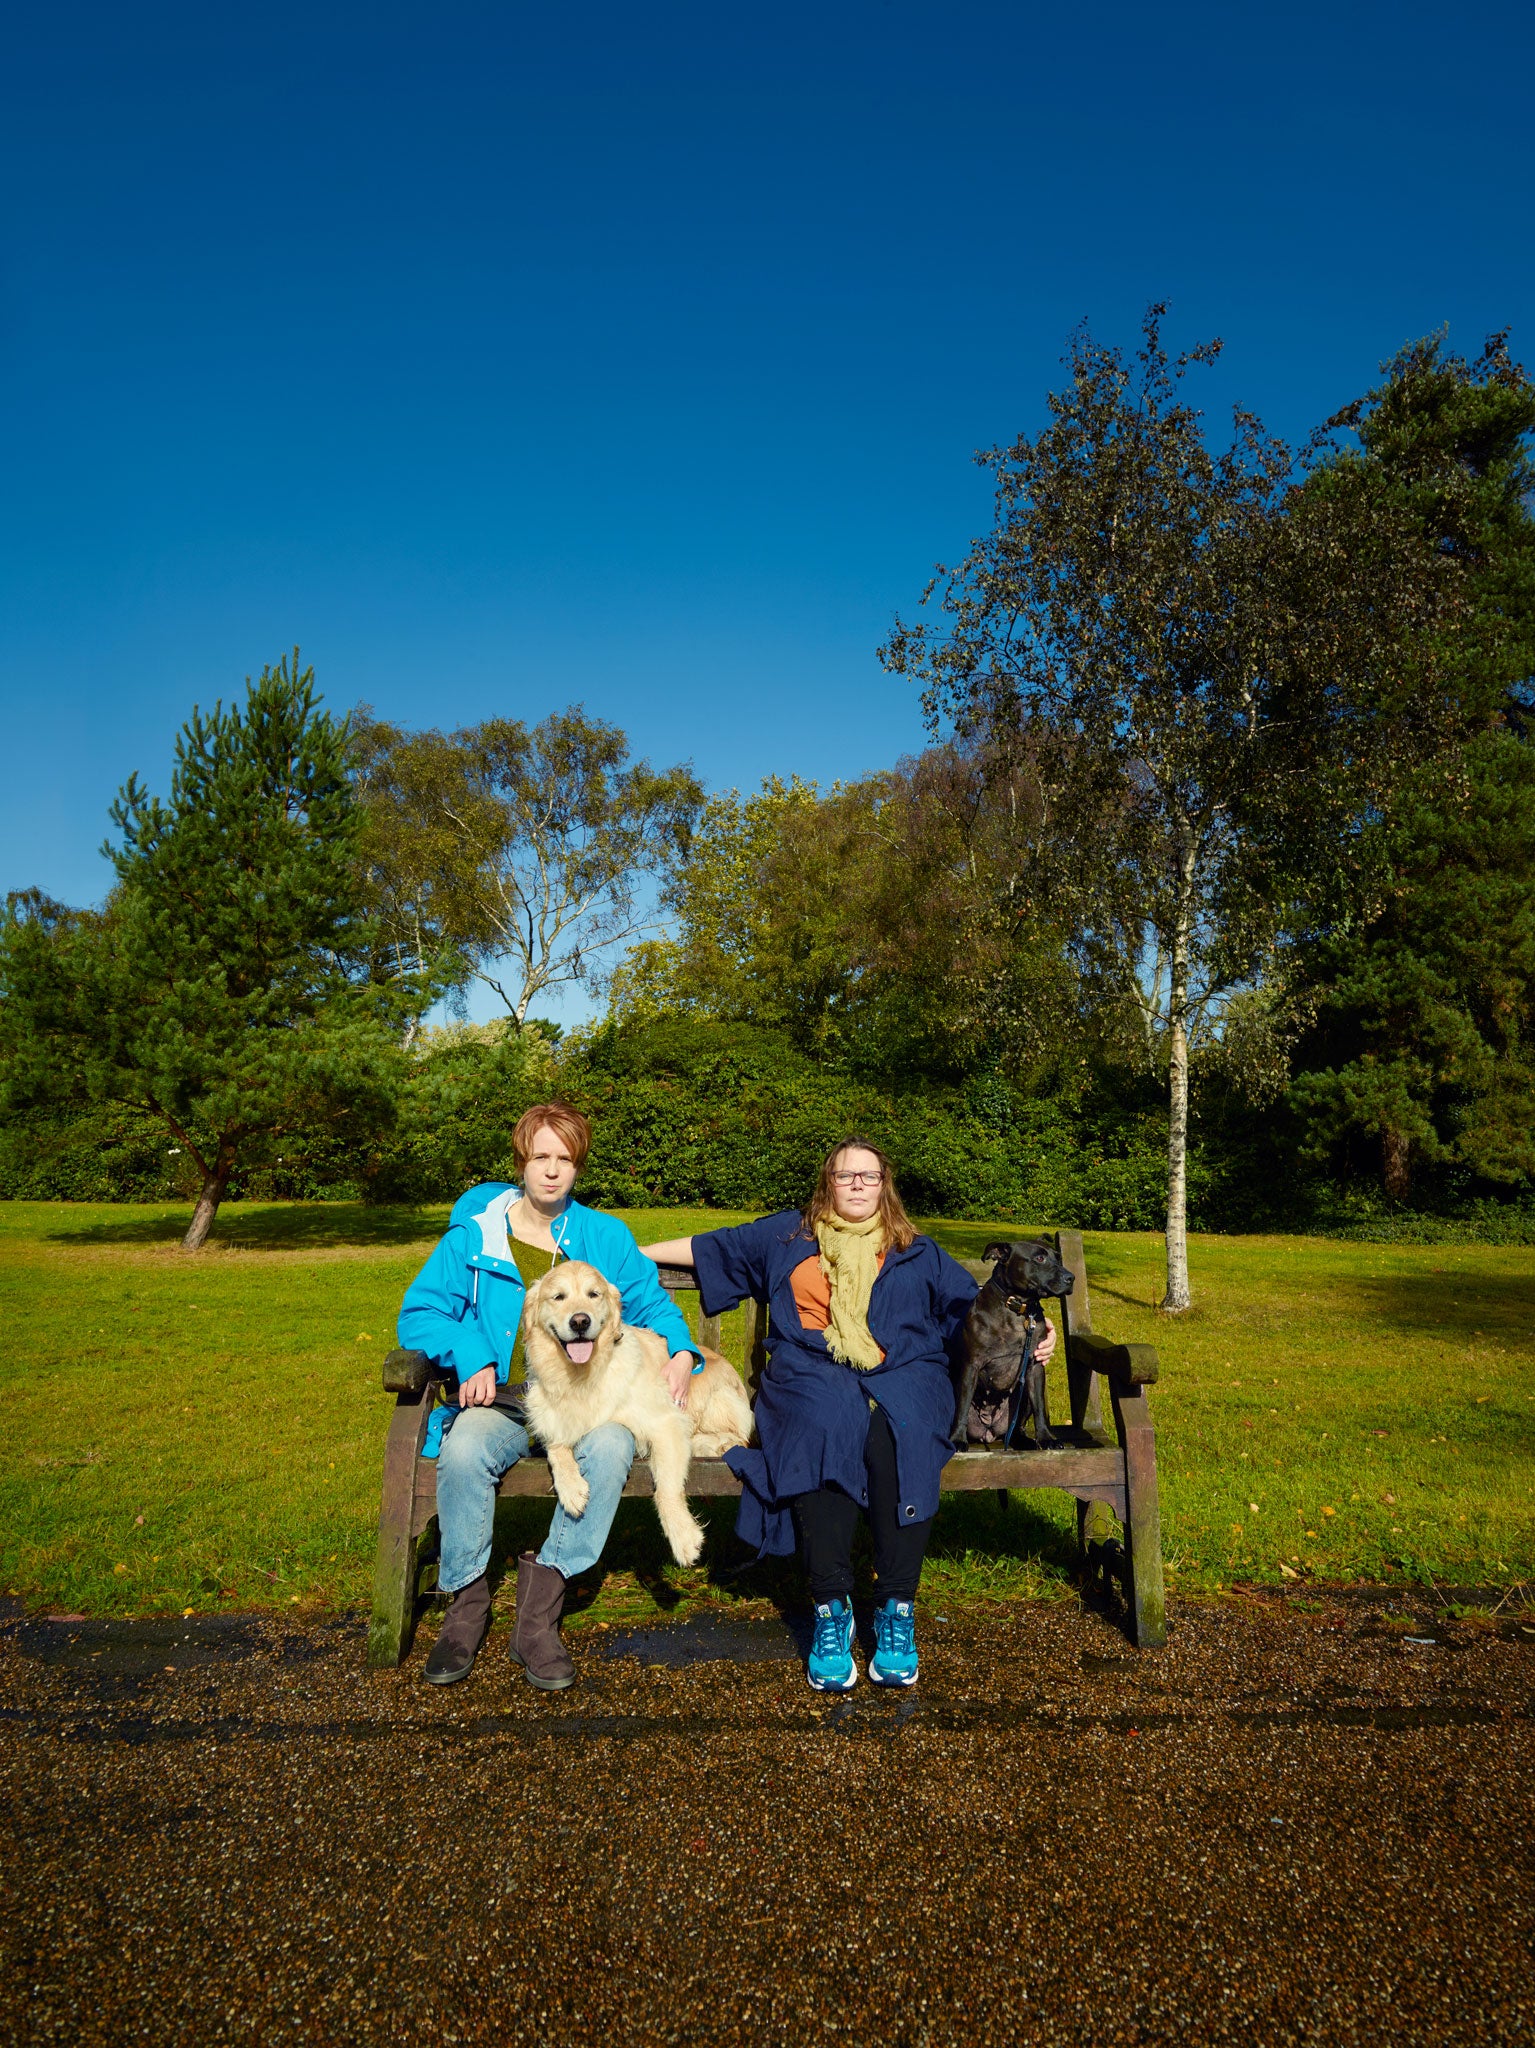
[585, 1368]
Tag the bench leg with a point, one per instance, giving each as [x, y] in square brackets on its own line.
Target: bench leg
[1148, 1598]
[398, 1562]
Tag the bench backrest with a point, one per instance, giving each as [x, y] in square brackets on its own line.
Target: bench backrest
[1086, 1394]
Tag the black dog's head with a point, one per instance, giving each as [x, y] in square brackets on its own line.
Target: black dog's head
[1030, 1267]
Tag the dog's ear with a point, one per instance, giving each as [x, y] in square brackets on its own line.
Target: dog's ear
[996, 1250]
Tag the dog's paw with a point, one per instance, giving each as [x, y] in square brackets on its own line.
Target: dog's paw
[687, 1543]
[573, 1495]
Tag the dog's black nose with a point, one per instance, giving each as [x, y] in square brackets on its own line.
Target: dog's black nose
[580, 1324]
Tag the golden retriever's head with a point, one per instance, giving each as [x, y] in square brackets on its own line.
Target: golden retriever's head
[573, 1304]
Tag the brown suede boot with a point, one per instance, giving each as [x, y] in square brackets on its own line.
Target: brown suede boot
[462, 1632]
[536, 1644]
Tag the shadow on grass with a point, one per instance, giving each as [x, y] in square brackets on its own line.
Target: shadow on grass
[274, 1227]
[1023, 1532]
[1450, 1304]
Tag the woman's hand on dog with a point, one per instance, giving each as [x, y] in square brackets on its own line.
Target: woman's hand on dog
[1044, 1350]
[479, 1390]
[679, 1370]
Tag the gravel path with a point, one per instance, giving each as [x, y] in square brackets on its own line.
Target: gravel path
[1285, 1827]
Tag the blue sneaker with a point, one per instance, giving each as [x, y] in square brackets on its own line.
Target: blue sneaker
[830, 1667]
[895, 1645]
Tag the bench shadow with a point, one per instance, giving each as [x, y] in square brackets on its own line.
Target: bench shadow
[274, 1227]
[968, 1526]
[1022, 1532]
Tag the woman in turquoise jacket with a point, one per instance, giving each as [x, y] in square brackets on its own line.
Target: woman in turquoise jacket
[464, 1310]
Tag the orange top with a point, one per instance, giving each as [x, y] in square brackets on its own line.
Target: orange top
[812, 1294]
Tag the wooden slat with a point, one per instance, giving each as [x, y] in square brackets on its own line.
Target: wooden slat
[1143, 1518]
[1082, 1382]
[1070, 1471]
[395, 1567]
[678, 1279]
[756, 1344]
[1135, 1365]
[1078, 1304]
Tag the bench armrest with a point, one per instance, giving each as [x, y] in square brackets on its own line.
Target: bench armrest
[1127, 1365]
[409, 1372]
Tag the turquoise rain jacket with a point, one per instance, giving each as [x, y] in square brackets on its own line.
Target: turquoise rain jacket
[464, 1306]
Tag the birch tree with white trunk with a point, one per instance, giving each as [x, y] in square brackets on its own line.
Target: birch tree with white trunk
[1210, 663]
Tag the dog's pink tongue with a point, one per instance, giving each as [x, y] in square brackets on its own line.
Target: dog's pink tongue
[579, 1350]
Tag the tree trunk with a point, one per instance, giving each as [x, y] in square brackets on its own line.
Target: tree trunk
[1393, 1164]
[215, 1180]
[1177, 1297]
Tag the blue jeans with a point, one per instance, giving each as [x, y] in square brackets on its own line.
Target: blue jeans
[481, 1445]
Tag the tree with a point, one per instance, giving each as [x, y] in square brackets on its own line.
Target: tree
[408, 853]
[225, 986]
[1422, 998]
[1209, 667]
[879, 924]
[524, 849]
[1421, 1038]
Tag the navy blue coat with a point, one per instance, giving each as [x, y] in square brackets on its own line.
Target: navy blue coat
[813, 1411]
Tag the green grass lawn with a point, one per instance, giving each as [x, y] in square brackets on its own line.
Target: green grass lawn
[196, 1432]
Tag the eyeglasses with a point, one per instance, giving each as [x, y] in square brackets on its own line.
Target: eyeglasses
[858, 1180]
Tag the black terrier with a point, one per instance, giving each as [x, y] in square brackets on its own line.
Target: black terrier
[1003, 1328]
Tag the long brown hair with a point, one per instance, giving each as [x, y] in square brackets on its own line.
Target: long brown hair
[899, 1228]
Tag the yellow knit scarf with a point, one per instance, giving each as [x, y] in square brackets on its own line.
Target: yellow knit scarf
[850, 1260]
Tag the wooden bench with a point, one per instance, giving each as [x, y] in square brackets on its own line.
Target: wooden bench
[1103, 1472]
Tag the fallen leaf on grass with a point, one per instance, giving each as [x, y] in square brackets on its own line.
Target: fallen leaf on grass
[118, 1570]
[1329, 1511]
[1481, 1398]
[1389, 1499]
[1288, 1573]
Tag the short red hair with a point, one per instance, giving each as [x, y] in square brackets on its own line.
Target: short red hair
[567, 1124]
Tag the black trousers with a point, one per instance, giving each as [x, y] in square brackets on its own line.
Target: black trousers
[827, 1520]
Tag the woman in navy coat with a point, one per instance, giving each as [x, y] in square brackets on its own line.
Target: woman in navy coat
[856, 1403]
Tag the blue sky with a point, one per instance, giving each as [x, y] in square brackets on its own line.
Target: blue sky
[506, 357]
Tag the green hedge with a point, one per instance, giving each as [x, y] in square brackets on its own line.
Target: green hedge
[724, 1115]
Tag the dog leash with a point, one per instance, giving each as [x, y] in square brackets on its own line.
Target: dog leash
[1030, 1305]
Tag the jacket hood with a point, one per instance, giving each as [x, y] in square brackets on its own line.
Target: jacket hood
[482, 1214]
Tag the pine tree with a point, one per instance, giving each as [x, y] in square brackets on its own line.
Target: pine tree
[224, 986]
[1424, 1001]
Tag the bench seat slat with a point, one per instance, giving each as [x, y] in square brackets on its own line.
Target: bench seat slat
[966, 1472]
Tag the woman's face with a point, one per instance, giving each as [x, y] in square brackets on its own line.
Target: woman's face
[548, 1172]
[857, 1181]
